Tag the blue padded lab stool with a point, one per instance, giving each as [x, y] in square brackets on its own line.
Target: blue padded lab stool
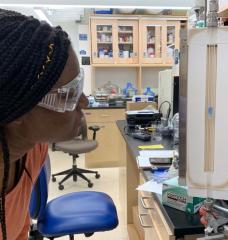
[83, 212]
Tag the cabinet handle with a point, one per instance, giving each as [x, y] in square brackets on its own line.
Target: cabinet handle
[105, 115]
[136, 54]
[94, 54]
[144, 204]
[88, 113]
[141, 220]
[144, 54]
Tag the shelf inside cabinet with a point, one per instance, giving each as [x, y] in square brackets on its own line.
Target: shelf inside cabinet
[104, 42]
[104, 31]
[127, 32]
[125, 42]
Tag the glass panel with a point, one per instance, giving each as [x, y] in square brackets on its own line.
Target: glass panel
[125, 41]
[154, 39]
[104, 41]
[170, 41]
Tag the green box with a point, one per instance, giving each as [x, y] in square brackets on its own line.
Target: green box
[177, 197]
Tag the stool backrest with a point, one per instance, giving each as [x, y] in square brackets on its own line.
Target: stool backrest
[39, 194]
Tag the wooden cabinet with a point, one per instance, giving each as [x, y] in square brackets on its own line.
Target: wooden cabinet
[111, 148]
[152, 43]
[159, 41]
[128, 43]
[118, 42]
[102, 35]
[114, 41]
[172, 41]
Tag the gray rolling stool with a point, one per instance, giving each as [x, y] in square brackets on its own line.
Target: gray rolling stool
[74, 148]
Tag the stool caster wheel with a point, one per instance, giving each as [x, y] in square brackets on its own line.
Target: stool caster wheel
[53, 179]
[90, 185]
[75, 178]
[61, 187]
[97, 175]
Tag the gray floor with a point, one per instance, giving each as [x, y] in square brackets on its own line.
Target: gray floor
[110, 183]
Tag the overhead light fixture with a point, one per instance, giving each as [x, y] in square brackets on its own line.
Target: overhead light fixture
[41, 15]
[54, 6]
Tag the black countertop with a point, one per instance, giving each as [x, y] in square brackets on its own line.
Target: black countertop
[108, 107]
[180, 223]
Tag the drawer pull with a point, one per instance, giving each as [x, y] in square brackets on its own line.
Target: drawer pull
[144, 204]
[88, 113]
[105, 115]
[141, 220]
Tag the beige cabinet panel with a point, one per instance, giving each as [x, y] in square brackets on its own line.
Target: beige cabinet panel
[111, 150]
[104, 115]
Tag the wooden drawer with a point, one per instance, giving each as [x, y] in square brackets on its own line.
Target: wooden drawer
[160, 228]
[151, 234]
[104, 115]
[145, 201]
[141, 222]
[160, 225]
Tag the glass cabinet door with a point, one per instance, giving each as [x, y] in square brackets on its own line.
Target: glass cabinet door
[102, 41]
[172, 42]
[152, 42]
[127, 42]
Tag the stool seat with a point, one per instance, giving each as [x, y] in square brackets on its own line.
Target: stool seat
[76, 146]
[80, 212]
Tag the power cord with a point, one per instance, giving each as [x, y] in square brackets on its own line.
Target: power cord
[168, 111]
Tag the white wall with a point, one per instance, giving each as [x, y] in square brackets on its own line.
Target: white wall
[73, 29]
[223, 4]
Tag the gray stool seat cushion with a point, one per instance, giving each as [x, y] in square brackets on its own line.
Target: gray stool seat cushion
[76, 146]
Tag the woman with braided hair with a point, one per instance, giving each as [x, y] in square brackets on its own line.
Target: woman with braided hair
[40, 101]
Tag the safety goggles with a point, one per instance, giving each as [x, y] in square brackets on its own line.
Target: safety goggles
[66, 97]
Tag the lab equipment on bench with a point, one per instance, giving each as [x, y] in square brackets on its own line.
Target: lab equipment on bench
[142, 117]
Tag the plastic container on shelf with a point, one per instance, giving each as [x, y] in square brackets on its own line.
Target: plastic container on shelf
[129, 90]
[111, 88]
[103, 11]
[149, 92]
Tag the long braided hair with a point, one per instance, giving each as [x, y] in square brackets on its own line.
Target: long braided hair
[32, 58]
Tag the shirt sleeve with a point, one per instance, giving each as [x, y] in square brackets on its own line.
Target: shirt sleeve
[36, 159]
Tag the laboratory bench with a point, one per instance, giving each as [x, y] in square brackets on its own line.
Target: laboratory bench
[147, 217]
[108, 107]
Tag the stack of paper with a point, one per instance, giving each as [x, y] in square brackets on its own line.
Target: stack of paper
[144, 157]
[151, 186]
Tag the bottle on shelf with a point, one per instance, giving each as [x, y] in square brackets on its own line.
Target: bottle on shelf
[149, 92]
[129, 90]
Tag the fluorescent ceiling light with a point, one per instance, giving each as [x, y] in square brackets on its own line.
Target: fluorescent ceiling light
[94, 6]
[41, 15]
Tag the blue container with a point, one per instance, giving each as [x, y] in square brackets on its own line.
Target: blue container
[103, 11]
[149, 92]
[129, 90]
